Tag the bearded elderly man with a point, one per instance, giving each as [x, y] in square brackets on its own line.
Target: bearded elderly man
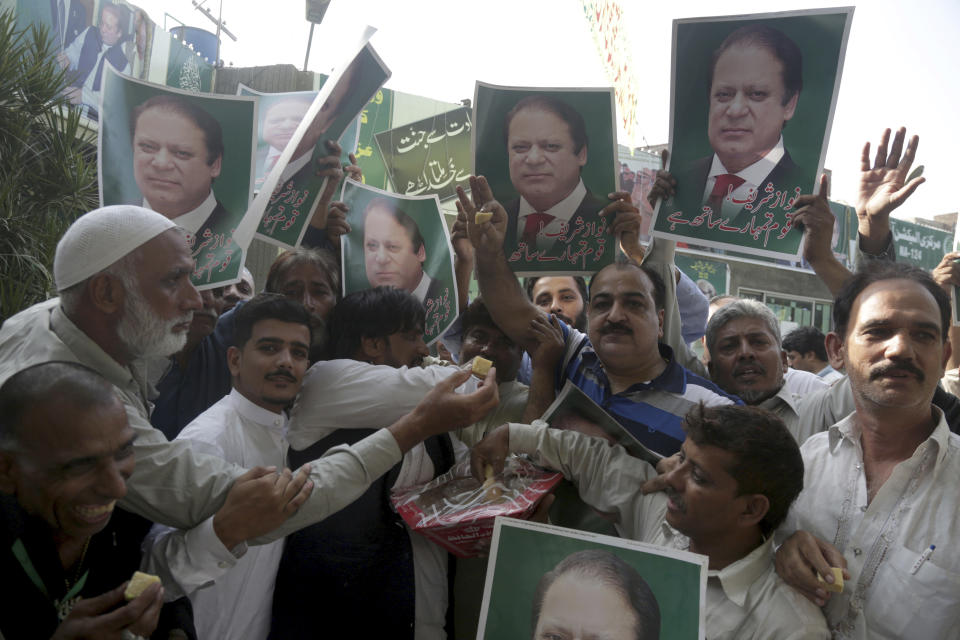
[123, 274]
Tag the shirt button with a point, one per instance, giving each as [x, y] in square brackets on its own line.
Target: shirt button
[857, 551]
[223, 564]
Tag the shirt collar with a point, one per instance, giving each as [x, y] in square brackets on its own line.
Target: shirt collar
[563, 210]
[737, 578]
[257, 414]
[783, 395]
[673, 378]
[421, 291]
[847, 429]
[758, 171]
[193, 220]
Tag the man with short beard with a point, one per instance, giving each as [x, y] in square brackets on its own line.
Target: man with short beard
[110, 324]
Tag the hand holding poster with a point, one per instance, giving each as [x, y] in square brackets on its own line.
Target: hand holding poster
[400, 241]
[550, 158]
[293, 184]
[542, 578]
[744, 154]
[185, 155]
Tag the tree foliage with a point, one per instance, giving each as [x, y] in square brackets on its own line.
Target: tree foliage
[48, 164]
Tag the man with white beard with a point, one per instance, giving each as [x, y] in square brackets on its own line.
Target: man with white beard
[123, 273]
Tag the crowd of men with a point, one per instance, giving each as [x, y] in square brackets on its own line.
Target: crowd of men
[244, 447]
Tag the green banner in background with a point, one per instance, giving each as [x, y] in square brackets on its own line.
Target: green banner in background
[919, 245]
[699, 268]
[376, 117]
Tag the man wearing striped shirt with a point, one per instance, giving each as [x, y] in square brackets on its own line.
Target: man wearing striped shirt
[621, 363]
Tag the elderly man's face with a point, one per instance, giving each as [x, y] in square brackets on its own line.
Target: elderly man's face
[110, 28]
[170, 162]
[747, 361]
[746, 106]
[388, 252]
[159, 299]
[268, 371]
[282, 120]
[583, 607]
[72, 465]
[894, 353]
[205, 318]
[544, 167]
[560, 296]
[623, 322]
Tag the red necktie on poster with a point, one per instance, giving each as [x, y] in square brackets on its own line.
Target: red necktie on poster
[725, 183]
[535, 222]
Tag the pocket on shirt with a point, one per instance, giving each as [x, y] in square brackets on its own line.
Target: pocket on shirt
[921, 605]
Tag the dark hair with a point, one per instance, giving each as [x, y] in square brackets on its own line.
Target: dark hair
[475, 314]
[322, 259]
[79, 386]
[877, 272]
[806, 339]
[559, 108]
[659, 288]
[531, 283]
[372, 313]
[400, 216]
[777, 43]
[268, 306]
[212, 133]
[611, 571]
[767, 457]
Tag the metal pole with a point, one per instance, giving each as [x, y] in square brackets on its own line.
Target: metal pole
[216, 63]
[309, 42]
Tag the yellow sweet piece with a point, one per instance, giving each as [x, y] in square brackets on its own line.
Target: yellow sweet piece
[481, 366]
[482, 216]
[138, 583]
[837, 585]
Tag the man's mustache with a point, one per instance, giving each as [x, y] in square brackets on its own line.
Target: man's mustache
[280, 373]
[615, 327]
[896, 367]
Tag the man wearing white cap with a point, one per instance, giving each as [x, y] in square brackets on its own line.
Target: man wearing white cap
[123, 275]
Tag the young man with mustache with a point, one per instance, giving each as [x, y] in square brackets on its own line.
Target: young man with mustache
[267, 362]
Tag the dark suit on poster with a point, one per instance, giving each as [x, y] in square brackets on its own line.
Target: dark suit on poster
[74, 21]
[588, 209]
[786, 174]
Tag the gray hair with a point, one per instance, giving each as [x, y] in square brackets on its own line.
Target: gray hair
[741, 309]
[124, 269]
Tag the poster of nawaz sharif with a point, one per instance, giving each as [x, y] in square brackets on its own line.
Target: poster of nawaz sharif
[291, 190]
[550, 156]
[542, 578]
[185, 155]
[752, 101]
[400, 241]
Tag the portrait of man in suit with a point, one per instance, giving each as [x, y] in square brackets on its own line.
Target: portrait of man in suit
[547, 147]
[177, 154]
[394, 250]
[755, 84]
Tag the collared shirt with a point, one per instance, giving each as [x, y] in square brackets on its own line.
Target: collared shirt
[89, 95]
[890, 594]
[172, 484]
[294, 166]
[745, 600]
[420, 293]
[798, 403]
[753, 176]
[194, 219]
[652, 411]
[829, 374]
[241, 432]
[562, 213]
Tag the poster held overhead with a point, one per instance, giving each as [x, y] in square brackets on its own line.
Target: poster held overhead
[187, 156]
[752, 101]
[400, 241]
[550, 158]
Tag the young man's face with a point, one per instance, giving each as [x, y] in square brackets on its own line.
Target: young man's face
[803, 361]
[624, 325]
[560, 296]
[170, 162]
[389, 254]
[268, 371]
[746, 106]
[894, 351]
[73, 465]
[544, 167]
[401, 349]
[489, 342]
[746, 360]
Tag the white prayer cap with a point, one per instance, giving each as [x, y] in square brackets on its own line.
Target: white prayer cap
[98, 239]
